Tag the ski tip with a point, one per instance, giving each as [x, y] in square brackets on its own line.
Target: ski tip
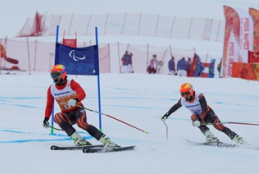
[53, 147]
[85, 150]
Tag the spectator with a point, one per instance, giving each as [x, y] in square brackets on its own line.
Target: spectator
[171, 66]
[219, 67]
[130, 63]
[126, 60]
[211, 68]
[188, 67]
[193, 66]
[198, 68]
[181, 67]
[201, 68]
[152, 68]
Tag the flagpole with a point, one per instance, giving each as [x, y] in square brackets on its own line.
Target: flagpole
[56, 61]
[98, 79]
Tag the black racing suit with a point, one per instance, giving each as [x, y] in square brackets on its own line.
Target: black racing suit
[207, 116]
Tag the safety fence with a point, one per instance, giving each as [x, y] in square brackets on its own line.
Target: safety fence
[125, 24]
[36, 56]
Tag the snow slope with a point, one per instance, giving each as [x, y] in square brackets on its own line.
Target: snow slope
[137, 99]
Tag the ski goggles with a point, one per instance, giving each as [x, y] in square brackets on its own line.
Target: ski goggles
[55, 74]
[185, 93]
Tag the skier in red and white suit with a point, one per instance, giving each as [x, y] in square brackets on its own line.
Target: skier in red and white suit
[69, 94]
[202, 114]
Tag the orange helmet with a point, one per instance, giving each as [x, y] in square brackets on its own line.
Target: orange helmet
[58, 71]
[187, 89]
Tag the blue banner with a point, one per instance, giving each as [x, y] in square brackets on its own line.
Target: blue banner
[78, 61]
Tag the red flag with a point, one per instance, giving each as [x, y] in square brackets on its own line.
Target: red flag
[3, 53]
[8, 59]
[70, 42]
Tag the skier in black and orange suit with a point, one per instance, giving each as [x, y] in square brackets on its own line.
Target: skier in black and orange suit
[69, 94]
[201, 114]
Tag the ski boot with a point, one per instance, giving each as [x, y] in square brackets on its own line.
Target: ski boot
[107, 143]
[238, 139]
[210, 137]
[78, 140]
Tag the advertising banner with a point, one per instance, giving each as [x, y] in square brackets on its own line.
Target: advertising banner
[255, 16]
[246, 35]
[248, 71]
[231, 41]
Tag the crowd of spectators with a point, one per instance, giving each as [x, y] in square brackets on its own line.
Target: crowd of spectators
[186, 68]
[190, 68]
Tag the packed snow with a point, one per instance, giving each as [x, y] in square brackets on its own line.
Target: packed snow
[137, 99]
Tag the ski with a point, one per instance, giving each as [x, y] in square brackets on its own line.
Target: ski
[54, 147]
[219, 144]
[102, 149]
[223, 145]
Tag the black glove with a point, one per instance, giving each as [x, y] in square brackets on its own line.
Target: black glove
[46, 123]
[163, 118]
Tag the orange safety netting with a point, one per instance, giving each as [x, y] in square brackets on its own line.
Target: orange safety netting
[33, 55]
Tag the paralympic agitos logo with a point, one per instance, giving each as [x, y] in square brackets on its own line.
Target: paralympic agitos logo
[76, 58]
[256, 55]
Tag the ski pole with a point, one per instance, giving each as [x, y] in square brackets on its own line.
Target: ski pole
[56, 128]
[166, 129]
[253, 124]
[113, 118]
